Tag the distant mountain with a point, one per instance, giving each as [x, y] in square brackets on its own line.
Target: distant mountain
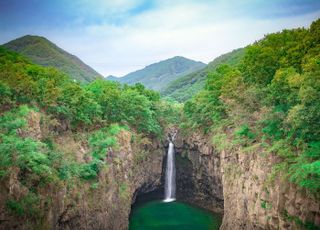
[186, 86]
[43, 52]
[158, 75]
[112, 78]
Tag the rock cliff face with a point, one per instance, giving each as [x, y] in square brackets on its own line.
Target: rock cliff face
[108, 207]
[233, 182]
[199, 177]
[133, 167]
[238, 183]
[252, 201]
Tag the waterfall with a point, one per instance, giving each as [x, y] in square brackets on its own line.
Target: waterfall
[170, 182]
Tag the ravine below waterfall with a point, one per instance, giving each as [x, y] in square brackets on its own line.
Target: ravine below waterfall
[151, 212]
[159, 215]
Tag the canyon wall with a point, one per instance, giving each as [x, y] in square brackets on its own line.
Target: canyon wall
[132, 169]
[233, 182]
[199, 177]
[254, 201]
[240, 181]
[105, 203]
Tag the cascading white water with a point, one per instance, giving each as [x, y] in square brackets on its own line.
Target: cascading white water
[170, 182]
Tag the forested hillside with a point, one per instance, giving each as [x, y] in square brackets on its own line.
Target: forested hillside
[93, 115]
[158, 75]
[269, 103]
[43, 52]
[189, 85]
[249, 115]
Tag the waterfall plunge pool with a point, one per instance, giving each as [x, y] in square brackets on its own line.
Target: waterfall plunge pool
[159, 215]
[150, 213]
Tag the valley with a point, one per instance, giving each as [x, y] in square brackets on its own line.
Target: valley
[78, 151]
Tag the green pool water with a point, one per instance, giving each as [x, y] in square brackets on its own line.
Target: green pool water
[158, 215]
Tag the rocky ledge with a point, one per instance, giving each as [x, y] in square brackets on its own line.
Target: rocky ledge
[237, 184]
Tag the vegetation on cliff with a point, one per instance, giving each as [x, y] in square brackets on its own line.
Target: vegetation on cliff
[265, 96]
[270, 100]
[39, 104]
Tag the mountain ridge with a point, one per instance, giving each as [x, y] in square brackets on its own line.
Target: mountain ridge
[42, 51]
[161, 72]
[190, 84]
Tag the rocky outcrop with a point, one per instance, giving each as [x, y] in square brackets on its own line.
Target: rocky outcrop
[104, 203]
[239, 183]
[108, 206]
[199, 177]
[229, 181]
[253, 200]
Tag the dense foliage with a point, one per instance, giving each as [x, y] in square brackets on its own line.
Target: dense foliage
[98, 111]
[266, 95]
[39, 164]
[100, 102]
[273, 98]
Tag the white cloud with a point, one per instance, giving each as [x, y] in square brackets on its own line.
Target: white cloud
[198, 30]
[107, 7]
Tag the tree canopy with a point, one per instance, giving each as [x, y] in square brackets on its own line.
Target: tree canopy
[273, 97]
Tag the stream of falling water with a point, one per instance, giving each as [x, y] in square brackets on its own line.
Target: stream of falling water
[170, 180]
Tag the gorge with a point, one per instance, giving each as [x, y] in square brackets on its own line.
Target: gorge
[242, 153]
[205, 178]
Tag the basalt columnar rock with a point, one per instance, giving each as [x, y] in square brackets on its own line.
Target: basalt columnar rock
[238, 184]
[199, 178]
[253, 200]
[109, 207]
[134, 167]
[232, 182]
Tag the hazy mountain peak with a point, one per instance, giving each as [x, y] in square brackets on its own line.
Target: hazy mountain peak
[112, 78]
[188, 85]
[157, 75]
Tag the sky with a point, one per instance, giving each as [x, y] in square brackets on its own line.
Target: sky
[116, 37]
